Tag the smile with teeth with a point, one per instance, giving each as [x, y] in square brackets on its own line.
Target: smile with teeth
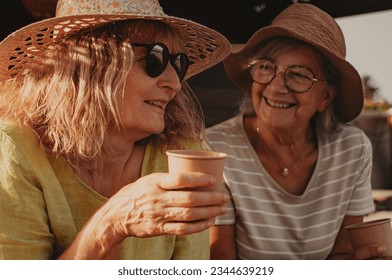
[157, 103]
[278, 105]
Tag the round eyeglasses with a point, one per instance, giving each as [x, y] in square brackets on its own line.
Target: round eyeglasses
[298, 78]
[158, 57]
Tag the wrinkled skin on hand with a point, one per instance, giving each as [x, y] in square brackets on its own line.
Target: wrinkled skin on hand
[157, 204]
[162, 203]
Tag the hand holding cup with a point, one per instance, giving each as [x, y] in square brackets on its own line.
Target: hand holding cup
[374, 233]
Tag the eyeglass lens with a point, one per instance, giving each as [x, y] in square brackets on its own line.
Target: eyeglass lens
[297, 78]
[158, 57]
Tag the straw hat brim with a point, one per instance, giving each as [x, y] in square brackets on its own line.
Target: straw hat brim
[348, 101]
[205, 47]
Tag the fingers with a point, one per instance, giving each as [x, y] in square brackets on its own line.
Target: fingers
[368, 252]
[181, 189]
[173, 220]
[195, 199]
[181, 228]
[187, 180]
[180, 214]
[164, 203]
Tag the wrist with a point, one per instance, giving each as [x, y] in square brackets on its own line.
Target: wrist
[107, 242]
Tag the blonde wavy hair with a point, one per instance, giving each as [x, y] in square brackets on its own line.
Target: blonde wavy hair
[71, 98]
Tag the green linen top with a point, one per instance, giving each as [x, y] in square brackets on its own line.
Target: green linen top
[44, 204]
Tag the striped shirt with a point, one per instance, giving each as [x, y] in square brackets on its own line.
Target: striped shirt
[271, 223]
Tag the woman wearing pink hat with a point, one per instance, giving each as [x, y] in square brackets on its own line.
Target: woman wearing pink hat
[297, 173]
[89, 102]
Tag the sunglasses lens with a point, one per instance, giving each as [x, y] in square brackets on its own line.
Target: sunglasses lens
[156, 60]
[158, 56]
[180, 63]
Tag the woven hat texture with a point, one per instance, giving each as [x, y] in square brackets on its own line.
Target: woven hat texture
[205, 47]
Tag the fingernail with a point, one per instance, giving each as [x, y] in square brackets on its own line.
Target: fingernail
[223, 209]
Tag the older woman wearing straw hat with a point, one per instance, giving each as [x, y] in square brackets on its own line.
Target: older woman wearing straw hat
[297, 172]
[89, 102]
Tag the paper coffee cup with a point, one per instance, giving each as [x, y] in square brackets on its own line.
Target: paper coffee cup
[372, 232]
[209, 162]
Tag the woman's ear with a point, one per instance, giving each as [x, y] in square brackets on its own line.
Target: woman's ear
[329, 94]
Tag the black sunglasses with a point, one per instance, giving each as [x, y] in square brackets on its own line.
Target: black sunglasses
[158, 57]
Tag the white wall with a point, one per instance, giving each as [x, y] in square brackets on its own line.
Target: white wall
[369, 47]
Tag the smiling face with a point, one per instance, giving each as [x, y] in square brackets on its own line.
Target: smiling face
[142, 108]
[279, 107]
[148, 103]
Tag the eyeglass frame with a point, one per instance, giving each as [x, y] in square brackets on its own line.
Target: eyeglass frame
[166, 56]
[277, 70]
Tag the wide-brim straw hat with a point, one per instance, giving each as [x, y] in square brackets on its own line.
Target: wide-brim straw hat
[310, 24]
[205, 46]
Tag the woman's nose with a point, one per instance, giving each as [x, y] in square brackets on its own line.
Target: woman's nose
[170, 79]
[279, 80]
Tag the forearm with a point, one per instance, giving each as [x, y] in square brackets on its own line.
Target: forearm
[97, 240]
